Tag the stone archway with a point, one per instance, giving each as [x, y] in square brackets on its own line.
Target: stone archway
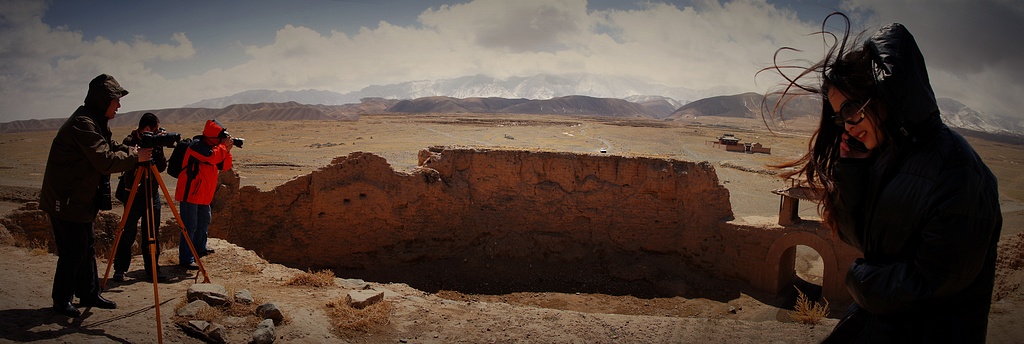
[780, 270]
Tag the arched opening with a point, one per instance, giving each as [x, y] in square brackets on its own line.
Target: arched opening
[802, 267]
[780, 274]
[809, 271]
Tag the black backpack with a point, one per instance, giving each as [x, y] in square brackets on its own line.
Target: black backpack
[174, 163]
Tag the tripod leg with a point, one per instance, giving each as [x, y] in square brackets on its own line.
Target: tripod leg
[174, 210]
[151, 242]
[124, 219]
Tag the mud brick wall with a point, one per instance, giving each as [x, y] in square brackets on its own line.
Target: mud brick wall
[531, 215]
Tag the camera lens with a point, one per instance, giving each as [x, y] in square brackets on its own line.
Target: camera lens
[165, 139]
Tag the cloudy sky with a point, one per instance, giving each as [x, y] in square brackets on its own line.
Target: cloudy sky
[172, 53]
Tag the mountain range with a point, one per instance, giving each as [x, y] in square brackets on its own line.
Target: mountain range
[539, 94]
[541, 86]
[748, 105]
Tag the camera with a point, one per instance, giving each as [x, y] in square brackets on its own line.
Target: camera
[162, 138]
[236, 141]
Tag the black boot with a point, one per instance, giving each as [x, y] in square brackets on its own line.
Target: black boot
[98, 302]
[66, 309]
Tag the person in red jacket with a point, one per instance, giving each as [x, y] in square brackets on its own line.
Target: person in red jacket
[206, 156]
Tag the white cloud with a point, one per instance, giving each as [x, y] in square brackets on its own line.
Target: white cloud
[45, 70]
[513, 26]
[972, 48]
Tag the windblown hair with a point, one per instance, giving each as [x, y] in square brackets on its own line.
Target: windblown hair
[847, 67]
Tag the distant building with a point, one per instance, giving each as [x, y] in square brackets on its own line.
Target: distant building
[731, 143]
[729, 140]
[758, 148]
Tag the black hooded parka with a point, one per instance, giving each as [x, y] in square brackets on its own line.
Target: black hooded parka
[82, 157]
[924, 211]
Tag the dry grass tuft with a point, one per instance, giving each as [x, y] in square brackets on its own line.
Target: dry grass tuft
[233, 309]
[181, 303]
[317, 279]
[39, 247]
[252, 269]
[209, 314]
[807, 312]
[238, 309]
[348, 319]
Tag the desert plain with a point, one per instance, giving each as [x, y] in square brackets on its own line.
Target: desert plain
[278, 151]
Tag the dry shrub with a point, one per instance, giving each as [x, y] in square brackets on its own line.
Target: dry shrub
[807, 312]
[233, 309]
[317, 279]
[181, 303]
[346, 318]
[39, 247]
[209, 314]
[238, 309]
[252, 269]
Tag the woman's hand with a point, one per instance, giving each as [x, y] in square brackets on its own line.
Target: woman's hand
[846, 152]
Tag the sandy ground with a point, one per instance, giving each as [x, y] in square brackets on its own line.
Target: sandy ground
[278, 151]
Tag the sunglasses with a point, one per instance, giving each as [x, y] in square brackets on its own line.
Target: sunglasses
[847, 114]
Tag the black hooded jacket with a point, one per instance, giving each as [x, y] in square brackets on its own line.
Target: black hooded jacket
[82, 157]
[924, 212]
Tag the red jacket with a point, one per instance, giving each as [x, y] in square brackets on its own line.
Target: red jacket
[199, 174]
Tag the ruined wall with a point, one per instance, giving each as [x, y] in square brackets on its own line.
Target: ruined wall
[31, 227]
[503, 211]
[497, 221]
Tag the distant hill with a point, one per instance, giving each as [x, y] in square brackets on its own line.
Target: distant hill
[744, 105]
[267, 96]
[657, 106]
[239, 112]
[540, 86]
[747, 105]
[569, 105]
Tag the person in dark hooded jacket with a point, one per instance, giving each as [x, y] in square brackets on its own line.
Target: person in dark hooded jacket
[145, 207]
[915, 199]
[76, 185]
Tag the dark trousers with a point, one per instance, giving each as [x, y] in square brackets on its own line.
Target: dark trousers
[197, 223]
[76, 273]
[123, 257]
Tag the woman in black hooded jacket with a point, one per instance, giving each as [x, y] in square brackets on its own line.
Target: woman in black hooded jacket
[915, 199]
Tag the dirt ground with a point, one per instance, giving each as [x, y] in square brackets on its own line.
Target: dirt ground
[276, 152]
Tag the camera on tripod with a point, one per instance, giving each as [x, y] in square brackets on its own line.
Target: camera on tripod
[161, 138]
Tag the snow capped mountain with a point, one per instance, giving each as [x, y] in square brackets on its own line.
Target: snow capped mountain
[541, 86]
[958, 115]
[546, 86]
